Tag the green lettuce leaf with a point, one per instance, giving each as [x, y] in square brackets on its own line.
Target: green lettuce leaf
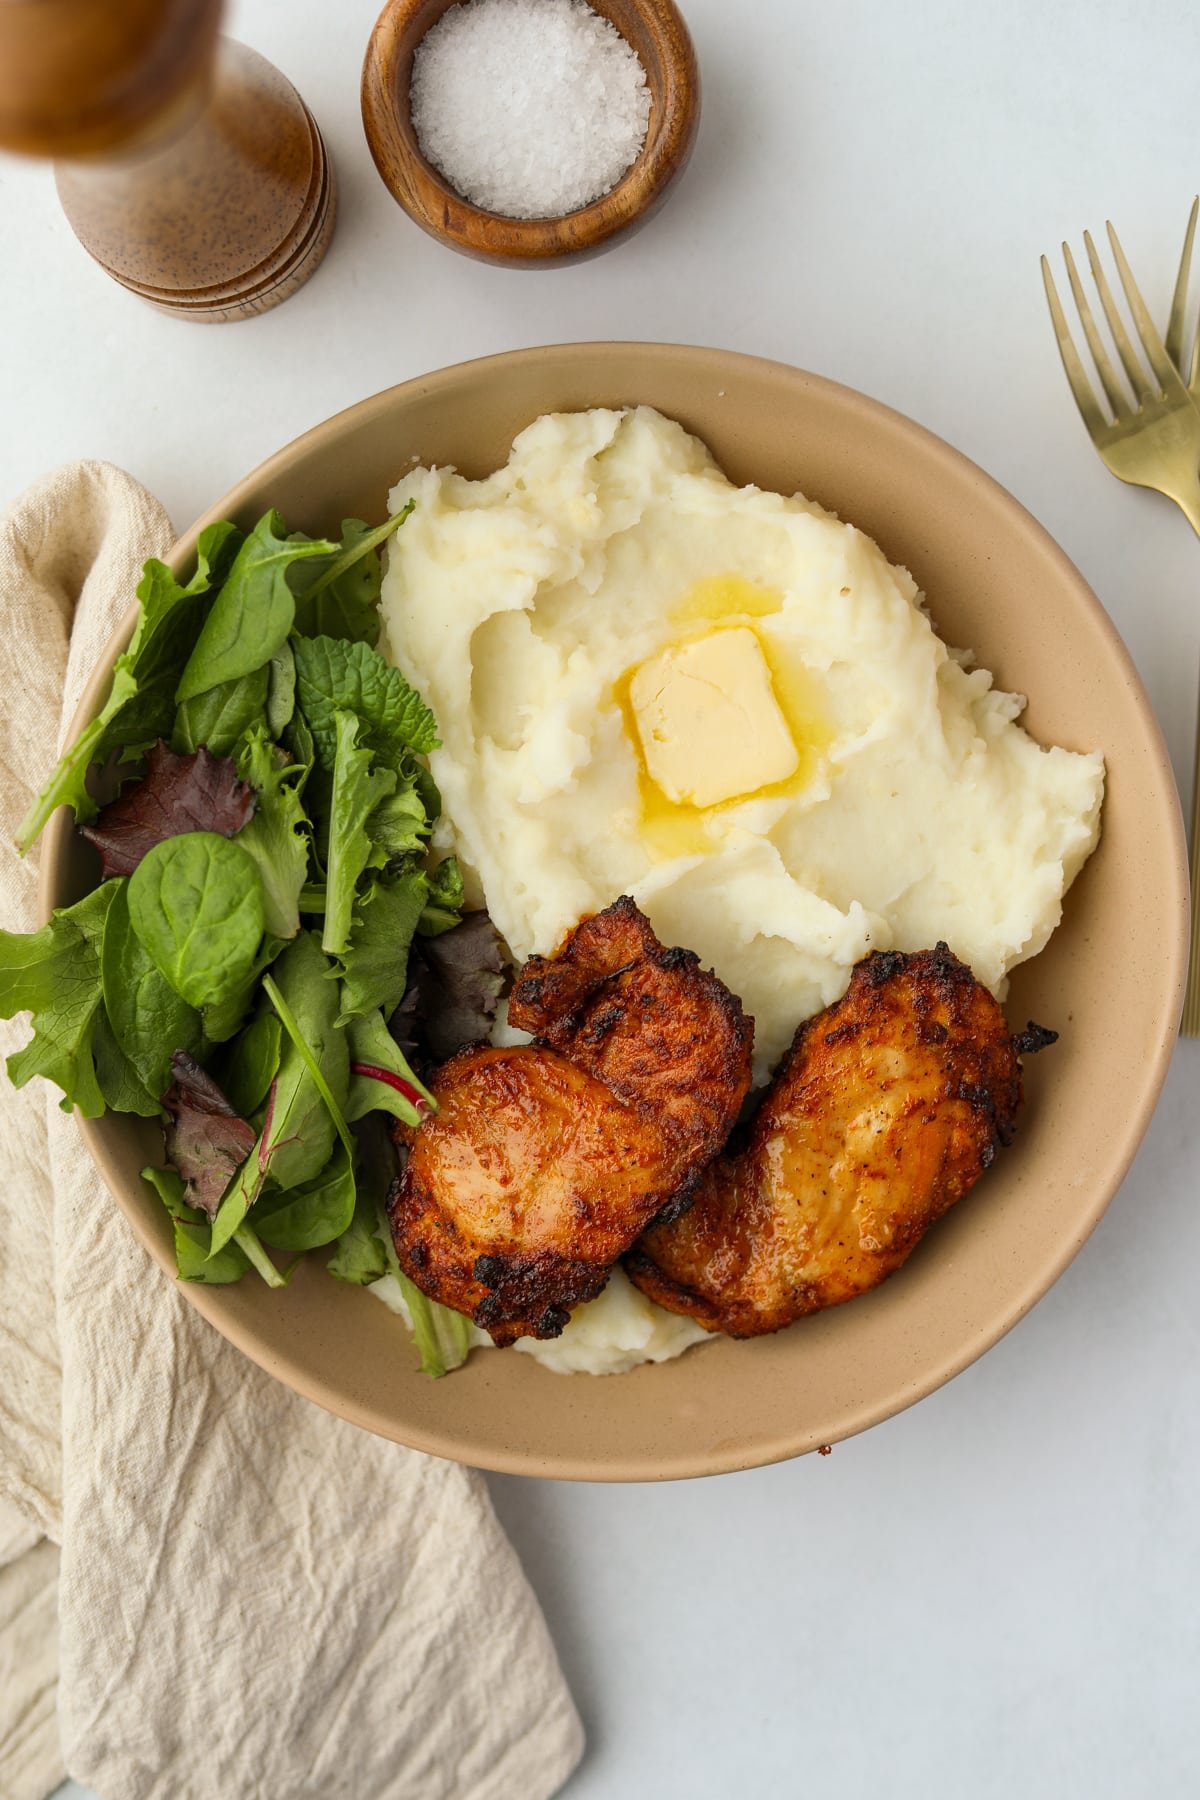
[398, 829]
[277, 836]
[443, 1337]
[374, 965]
[141, 701]
[358, 788]
[313, 1214]
[334, 676]
[445, 900]
[296, 1140]
[340, 598]
[224, 1018]
[360, 1257]
[373, 1046]
[193, 1236]
[218, 718]
[123, 1088]
[281, 689]
[252, 1063]
[54, 973]
[249, 621]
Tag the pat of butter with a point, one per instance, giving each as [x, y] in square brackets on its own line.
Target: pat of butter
[709, 721]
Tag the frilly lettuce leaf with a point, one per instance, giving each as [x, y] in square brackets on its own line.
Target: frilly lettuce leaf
[277, 836]
[54, 973]
[141, 701]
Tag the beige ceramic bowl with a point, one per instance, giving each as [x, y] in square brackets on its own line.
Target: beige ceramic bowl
[1110, 981]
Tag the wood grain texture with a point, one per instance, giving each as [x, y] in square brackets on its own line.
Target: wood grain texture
[81, 77]
[655, 30]
[227, 218]
[189, 167]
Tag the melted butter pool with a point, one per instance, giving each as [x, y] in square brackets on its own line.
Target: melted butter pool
[671, 828]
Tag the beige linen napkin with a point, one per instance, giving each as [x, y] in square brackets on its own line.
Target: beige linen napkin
[255, 1598]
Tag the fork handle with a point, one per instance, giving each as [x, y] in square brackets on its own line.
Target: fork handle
[1191, 1006]
[1187, 499]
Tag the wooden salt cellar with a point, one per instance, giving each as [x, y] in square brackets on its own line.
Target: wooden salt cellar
[188, 167]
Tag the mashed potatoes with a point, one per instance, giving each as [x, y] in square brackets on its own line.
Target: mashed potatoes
[606, 1336]
[726, 703]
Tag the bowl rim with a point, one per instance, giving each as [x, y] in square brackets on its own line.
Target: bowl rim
[388, 128]
[1152, 1068]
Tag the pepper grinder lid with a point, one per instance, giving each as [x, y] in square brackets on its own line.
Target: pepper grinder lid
[80, 77]
[145, 107]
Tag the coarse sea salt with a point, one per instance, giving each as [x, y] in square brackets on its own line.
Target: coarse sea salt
[529, 108]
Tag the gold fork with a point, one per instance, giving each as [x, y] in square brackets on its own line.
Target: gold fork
[1153, 442]
[1189, 368]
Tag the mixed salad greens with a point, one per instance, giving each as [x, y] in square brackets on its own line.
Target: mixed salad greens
[265, 870]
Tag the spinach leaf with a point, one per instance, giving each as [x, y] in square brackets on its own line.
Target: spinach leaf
[252, 1064]
[374, 966]
[333, 676]
[358, 789]
[277, 835]
[375, 1055]
[340, 598]
[123, 1088]
[296, 1140]
[193, 1236]
[54, 973]
[149, 1019]
[196, 903]
[141, 701]
[249, 621]
[315, 1213]
[359, 1257]
[218, 717]
[176, 794]
[223, 1018]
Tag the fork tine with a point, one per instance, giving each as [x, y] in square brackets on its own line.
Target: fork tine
[1081, 387]
[1133, 368]
[1152, 344]
[1108, 375]
[1173, 342]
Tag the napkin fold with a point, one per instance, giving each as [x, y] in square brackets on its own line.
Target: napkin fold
[254, 1598]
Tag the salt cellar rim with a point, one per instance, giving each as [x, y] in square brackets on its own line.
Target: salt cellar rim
[654, 29]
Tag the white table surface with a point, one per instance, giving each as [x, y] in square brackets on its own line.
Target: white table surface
[995, 1593]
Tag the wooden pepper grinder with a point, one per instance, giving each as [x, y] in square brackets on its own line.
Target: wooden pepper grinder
[186, 164]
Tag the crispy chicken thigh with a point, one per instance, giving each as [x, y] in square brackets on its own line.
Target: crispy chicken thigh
[658, 1030]
[545, 1161]
[888, 1108]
